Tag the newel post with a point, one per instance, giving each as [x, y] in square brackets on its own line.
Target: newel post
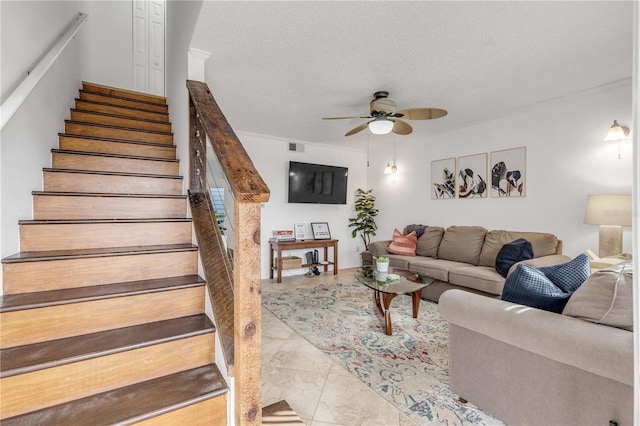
[248, 317]
[197, 151]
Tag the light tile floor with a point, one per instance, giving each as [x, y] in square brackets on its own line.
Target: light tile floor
[320, 391]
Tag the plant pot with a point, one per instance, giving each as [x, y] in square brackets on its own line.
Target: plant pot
[382, 268]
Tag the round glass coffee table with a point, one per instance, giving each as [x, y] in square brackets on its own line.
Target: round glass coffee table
[399, 281]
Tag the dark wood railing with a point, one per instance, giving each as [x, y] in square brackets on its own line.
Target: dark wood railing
[233, 282]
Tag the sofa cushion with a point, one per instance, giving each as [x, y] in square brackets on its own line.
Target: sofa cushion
[606, 297]
[434, 268]
[462, 244]
[511, 253]
[403, 244]
[482, 278]
[543, 244]
[547, 288]
[429, 241]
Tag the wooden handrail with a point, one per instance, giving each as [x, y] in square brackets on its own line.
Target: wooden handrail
[15, 100]
[233, 285]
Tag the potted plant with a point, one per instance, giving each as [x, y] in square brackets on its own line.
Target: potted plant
[382, 267]
[364, 222]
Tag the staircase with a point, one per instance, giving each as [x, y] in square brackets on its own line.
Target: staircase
[102, 318]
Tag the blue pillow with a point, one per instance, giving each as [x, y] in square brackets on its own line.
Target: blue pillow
[511, 253]
[569, 276]
[547, 288]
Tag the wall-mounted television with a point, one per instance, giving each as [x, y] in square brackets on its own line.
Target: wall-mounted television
[317, 183]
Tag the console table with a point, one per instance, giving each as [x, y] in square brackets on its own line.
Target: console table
[278, 247]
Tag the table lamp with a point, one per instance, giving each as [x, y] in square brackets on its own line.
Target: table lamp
[611, 212]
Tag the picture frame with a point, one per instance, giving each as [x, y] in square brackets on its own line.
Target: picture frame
[300, 231]
[508, 168]
[320, 231]
[443, 179]
[471, 176]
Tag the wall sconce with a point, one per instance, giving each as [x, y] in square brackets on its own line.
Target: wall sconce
[392, 168]
[611, 212]
[617, 133]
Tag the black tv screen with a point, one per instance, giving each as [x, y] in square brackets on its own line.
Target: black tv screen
[317, 183]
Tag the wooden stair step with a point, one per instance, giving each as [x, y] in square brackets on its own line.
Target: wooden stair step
[89, 181]
[38, 356]
[119, 120]
[81, 128]
[121, 101]
[66, 205]
[44, 388]
[42, 299]
[124, 111]
[99, 145]
[280, 414]
[30, 272]
[33, 256]
[74, 160]
[39, 235]
[123, 93]
[51, 315]
[149, 400]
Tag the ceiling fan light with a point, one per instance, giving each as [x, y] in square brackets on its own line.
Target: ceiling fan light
[380, 127]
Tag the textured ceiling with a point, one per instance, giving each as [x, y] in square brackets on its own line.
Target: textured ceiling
[276, 68]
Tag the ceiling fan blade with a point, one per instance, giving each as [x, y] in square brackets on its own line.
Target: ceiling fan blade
[422, 113]
[356, 129]
[342, 118]
[401, 128]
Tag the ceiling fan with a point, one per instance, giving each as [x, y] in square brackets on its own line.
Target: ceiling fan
[385, 118]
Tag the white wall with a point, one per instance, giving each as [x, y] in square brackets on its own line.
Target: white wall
[180, 23]
[271, 157]
[28, 31]
[567, 159]
[110, 57]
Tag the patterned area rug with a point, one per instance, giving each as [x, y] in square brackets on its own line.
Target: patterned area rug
[409, 368]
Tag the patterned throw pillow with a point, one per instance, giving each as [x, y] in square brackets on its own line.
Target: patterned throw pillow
[547, 288]
[419, 229]
[403, 244]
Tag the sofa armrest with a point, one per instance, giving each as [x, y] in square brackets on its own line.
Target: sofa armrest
[379, 248]
[599, 349]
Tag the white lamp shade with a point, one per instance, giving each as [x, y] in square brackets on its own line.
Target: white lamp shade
[616, 132]
[381, 127]
[608, 210]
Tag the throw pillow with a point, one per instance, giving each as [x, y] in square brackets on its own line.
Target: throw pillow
[569, 276]
[511, 253]
[531, 287]
[606, 297]
[403, 244]
[429, 242]
[413, 227]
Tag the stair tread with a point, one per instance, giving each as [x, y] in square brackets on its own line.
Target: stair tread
[124, 117]
[128, 157]
[133, 403]
[110, 126]
[38, 356]
[21, 301]
[161, 99]
[89, 101]
[100, 172]
[98, 138]
[108, 95]
[106, 194]
[96, 221]
[36, 256]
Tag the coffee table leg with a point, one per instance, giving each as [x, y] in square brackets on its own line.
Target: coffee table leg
[384, 308]
[416, 302]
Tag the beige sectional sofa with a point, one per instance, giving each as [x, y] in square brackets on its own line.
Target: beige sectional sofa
[464, 257]
[532, 367]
